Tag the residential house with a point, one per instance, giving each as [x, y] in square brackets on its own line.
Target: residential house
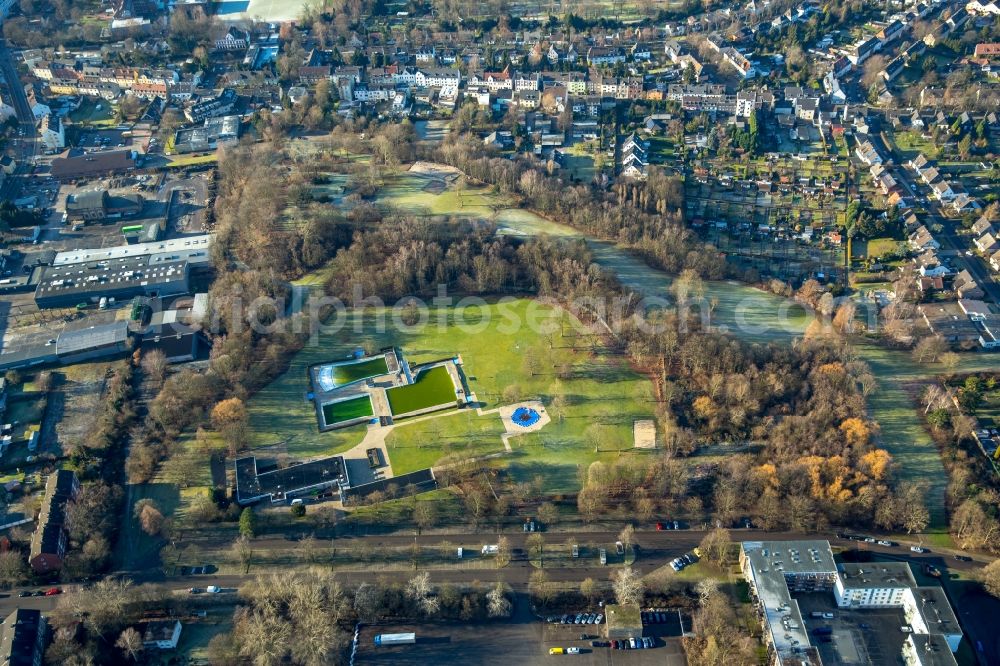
[983, 226]
[51, 133]
[921, 239]
[598, 56]
[965, 286]
[49, 541]
[234, 39]
[161, 634]
[963, 203]
[987, 243]
[929, 265]
[23, 638]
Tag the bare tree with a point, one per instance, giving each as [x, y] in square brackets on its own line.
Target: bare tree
[503, 552]
[628, 587]
[130, 642]
[497, 603]
[154, 364]
[626, 536]
[242, 552]
[419, 590]
[12, 567]
[367, 602]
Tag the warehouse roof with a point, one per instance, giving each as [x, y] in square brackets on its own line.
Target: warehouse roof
[188, 245]
[104, 335]
[75, 164]
[109, 276]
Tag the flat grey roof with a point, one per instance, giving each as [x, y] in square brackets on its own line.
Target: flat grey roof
[103, 335]
[108, 276]
[770, 562]
[936, 610]
[877, 575]
[175, 245]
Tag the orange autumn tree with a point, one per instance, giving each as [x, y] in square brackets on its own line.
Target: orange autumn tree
[856, 431]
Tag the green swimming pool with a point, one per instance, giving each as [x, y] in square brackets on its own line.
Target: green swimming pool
[432, 388]
[347, 410]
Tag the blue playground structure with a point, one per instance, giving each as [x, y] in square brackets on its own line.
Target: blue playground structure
[525, 417]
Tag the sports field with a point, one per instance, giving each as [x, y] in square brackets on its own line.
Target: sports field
[430, 388]
[353, 372]
[347, 410]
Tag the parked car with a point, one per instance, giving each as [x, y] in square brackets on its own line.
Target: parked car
[918, 549]
[24, 593]
[53, 591]
[213, 589]
[660, 527]
[963, 558]
[885, 542]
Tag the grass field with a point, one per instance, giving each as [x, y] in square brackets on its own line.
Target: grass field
[347, 410]
[88, 113]
[353, 372]
[878, 247]
[192, 160]
[592, 394]
[430, 388]
[421, 444]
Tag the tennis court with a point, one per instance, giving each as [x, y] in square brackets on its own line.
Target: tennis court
[347, 410]
[431, 388]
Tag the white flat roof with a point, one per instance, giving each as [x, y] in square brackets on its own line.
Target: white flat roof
[174, 245]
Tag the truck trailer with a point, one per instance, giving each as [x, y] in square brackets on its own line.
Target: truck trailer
[395, 639]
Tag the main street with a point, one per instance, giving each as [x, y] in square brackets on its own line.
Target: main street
[25, 145]
[952, 244]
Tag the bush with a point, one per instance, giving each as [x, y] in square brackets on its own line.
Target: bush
[298, 510]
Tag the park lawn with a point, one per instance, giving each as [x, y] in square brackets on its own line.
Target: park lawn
[592, 394]
[88, 113]
[989, 411]
[405, 191]
[421, 444]
[192, 160]
[352, 372]
[430, 388]
[878, 247]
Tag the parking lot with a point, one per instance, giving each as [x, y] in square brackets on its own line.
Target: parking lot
[514, 642]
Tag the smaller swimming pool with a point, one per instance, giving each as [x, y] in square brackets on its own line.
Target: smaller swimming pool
[525, 417]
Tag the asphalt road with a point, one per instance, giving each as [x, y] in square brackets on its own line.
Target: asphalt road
[25, 146]
[952, 244]
[655, 549]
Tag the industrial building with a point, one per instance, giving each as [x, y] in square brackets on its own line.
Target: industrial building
[72, 284]
[281, 484]
[194, 249]
[218, 131]
[160, 269]
[100, 205]
[74, 164]
[778, 570]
